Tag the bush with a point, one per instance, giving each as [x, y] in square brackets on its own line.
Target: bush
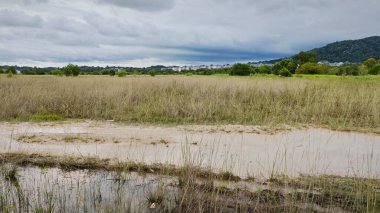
[241, 69]
[375, 70]
[205, 71]
[285, 72]
[71, 69]
[152, 73]
[122, 73]
[352, 69]
[264, 69]
[110, 72]
[312, 68]
[57, 72]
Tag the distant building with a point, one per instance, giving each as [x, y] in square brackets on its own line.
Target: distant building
[334, 64]
[182, 68]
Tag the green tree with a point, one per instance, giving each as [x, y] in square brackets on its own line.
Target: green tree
[312, 68]
[71, 69]
[375, 70]
[305, 57]
[11, 69]
[241, 69]
[289, 64]
[370, 62]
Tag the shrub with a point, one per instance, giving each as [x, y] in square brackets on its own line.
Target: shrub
[375, 70]
[312, 68]
[351, 69]
[152, 73]
[71, 69]
[264, 69]
[136, 72]
[57, 72]
[284, 72]
[110, 72]
[122, 73]
[241, 69]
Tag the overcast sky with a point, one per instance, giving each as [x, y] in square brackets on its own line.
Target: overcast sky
[169, 32]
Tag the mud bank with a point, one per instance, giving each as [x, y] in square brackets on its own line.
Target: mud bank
[244, 150]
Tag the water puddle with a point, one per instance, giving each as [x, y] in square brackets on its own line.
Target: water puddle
[43, 190]
[244, 150]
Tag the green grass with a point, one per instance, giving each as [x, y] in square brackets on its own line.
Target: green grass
[39, 117]
[71, 138]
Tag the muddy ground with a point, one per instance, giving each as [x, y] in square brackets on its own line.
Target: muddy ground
[244, 150]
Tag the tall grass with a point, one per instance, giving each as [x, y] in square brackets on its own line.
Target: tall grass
[346, 103]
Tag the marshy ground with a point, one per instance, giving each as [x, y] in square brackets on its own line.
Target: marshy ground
[189, 144]
[243, 150]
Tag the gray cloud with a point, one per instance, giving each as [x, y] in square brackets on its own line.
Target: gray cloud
[14, 18]
[177, 31]
[142, 5]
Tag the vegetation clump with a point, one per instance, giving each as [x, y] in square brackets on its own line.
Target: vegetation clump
[241, 69]
[122, 73]
[9, 173]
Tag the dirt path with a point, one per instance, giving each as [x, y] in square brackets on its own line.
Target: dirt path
[245, 150]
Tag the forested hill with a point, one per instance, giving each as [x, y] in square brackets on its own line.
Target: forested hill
[350, 50]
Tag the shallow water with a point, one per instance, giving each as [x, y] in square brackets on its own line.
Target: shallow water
[54, 190]
[241, 149]
[84, 191]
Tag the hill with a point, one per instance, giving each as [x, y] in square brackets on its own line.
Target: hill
[350, 50]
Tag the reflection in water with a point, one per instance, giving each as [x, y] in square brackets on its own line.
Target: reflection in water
[82, 191]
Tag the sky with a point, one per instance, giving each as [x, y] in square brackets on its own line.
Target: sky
[142, 33]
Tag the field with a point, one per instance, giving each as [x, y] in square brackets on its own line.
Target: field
[338, 103]
[189, 144]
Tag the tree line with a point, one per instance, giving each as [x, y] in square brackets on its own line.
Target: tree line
[301, 63]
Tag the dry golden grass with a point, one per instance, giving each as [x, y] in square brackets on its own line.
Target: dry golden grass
[343, 103]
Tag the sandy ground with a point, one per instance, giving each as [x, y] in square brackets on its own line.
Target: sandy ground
[245, 150]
